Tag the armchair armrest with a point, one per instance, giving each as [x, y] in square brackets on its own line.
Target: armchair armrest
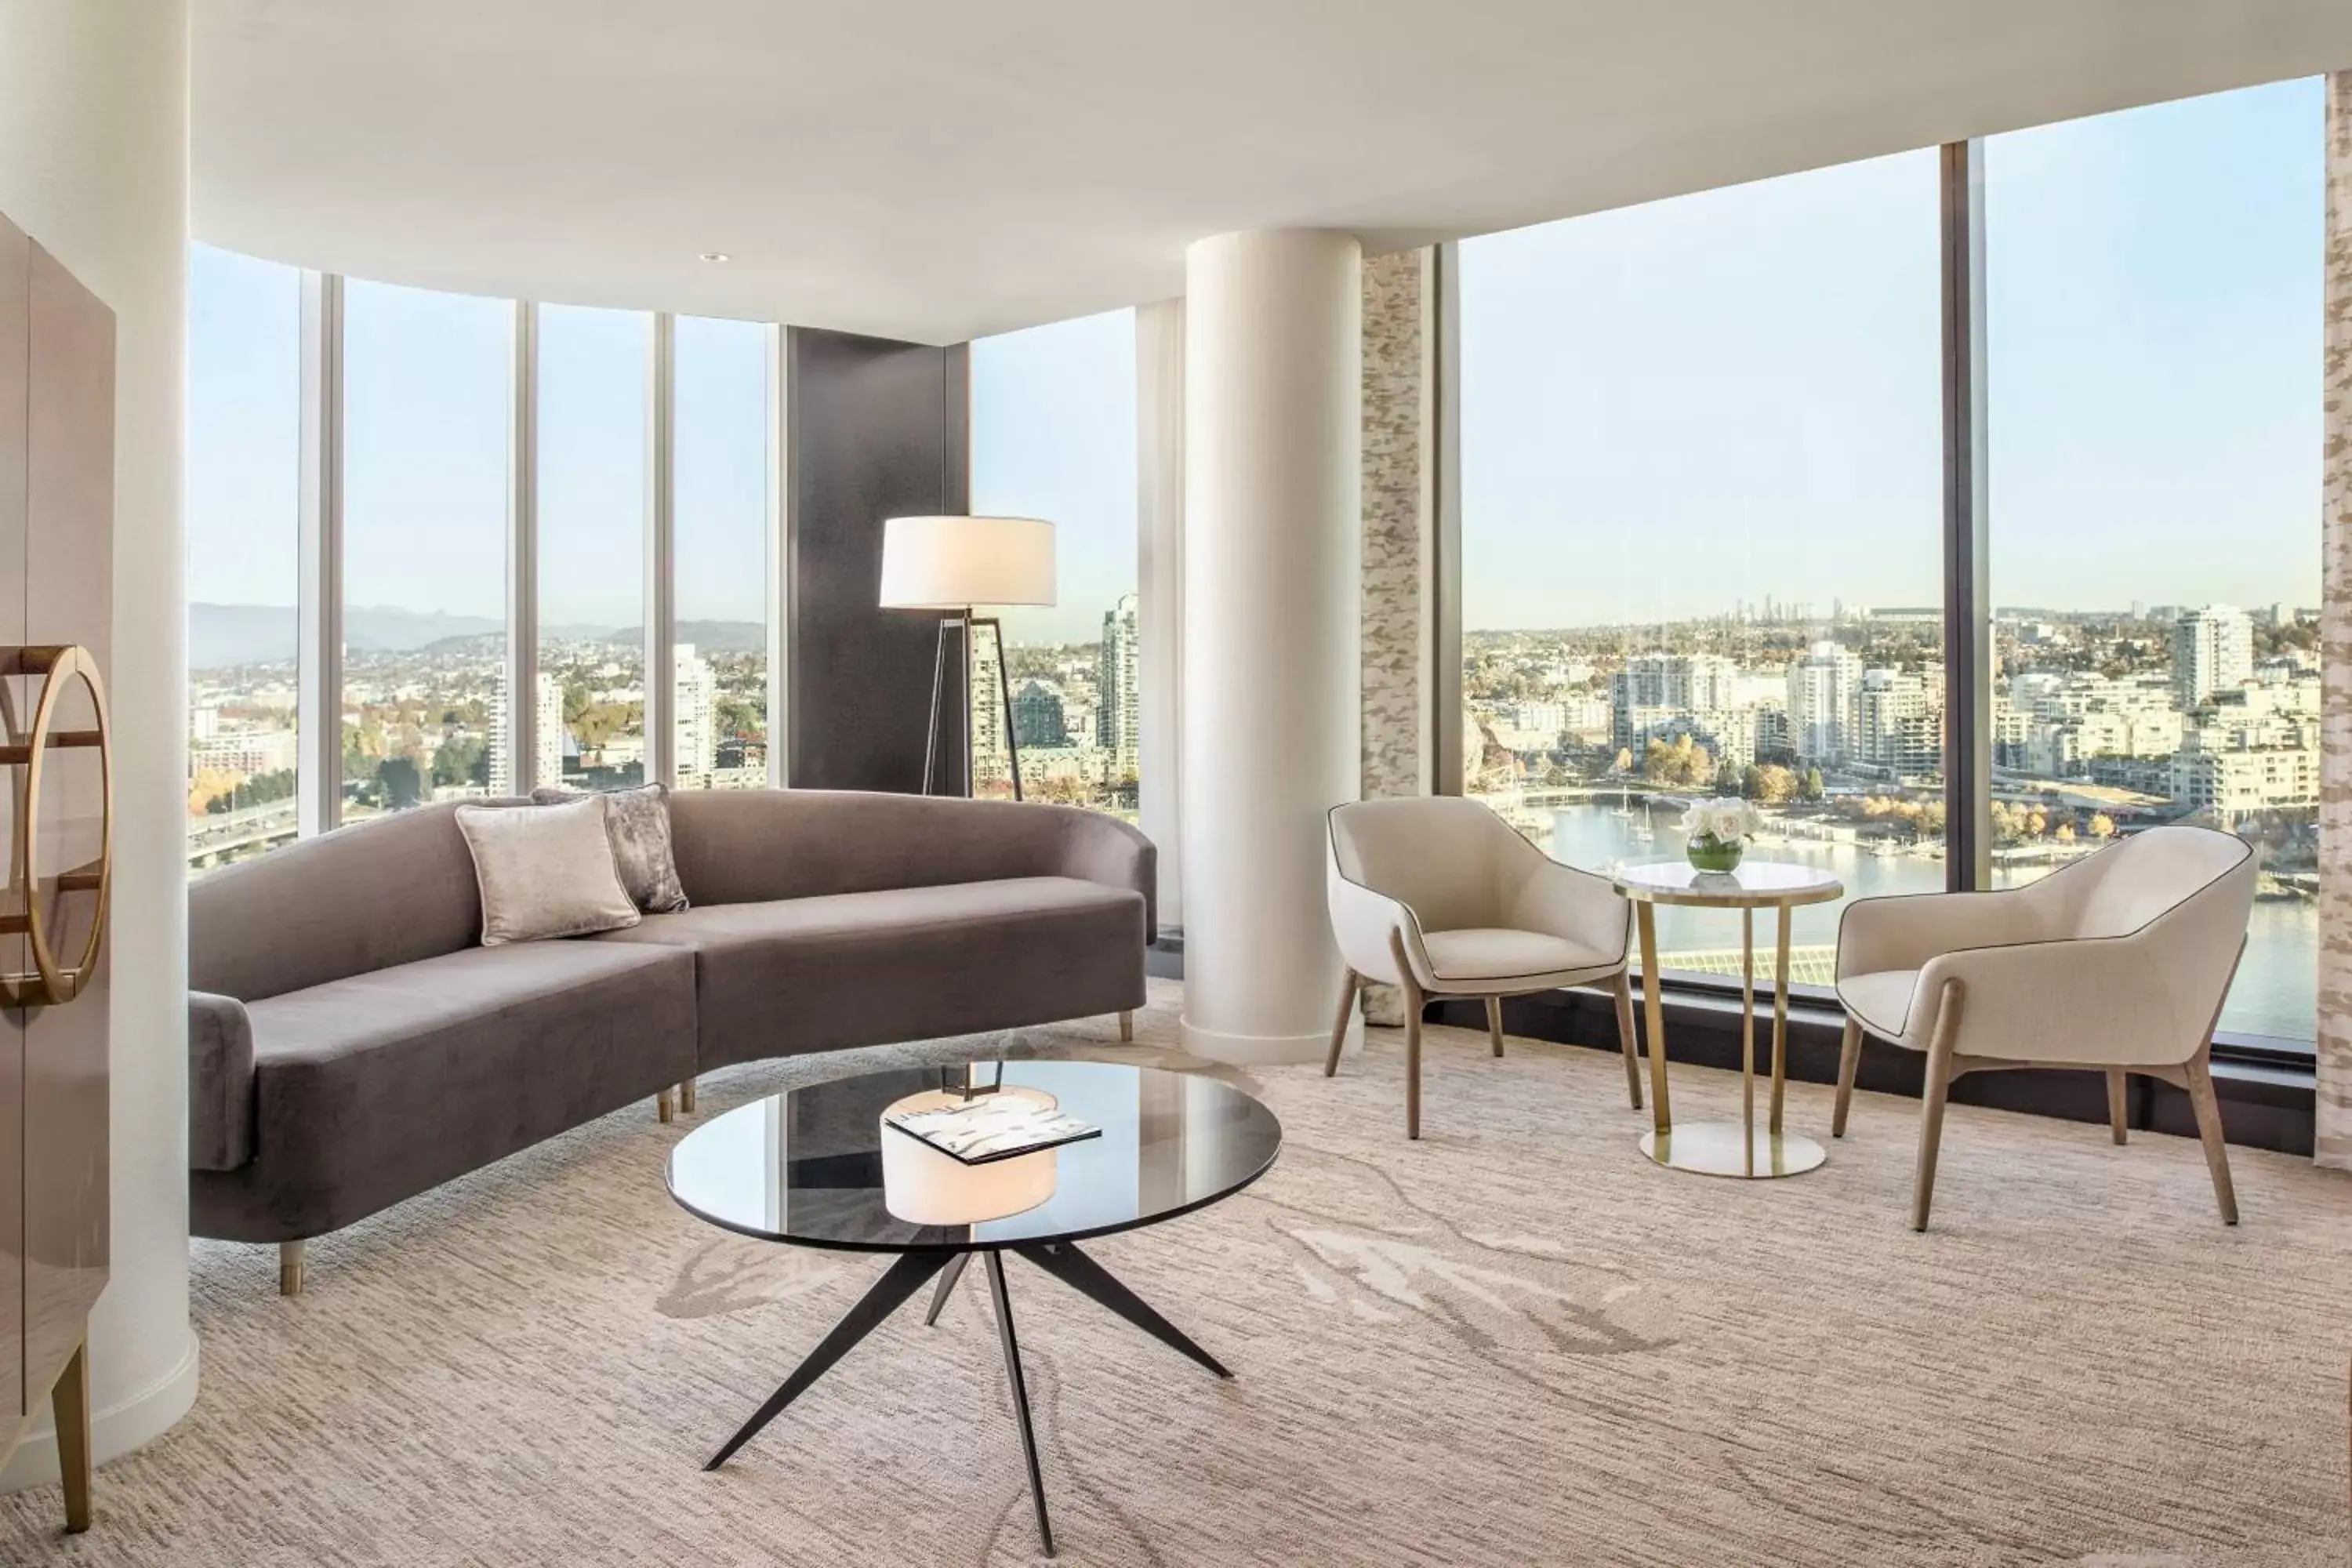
[220, 1082]
[1361, 920]
[2098, 1000]
[1572, 903]
[1905, 931]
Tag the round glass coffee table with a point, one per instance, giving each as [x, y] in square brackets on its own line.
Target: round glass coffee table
[1726, 1148]
[817, 1168]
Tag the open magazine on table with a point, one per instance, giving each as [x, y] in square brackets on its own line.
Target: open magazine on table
[992, 1127]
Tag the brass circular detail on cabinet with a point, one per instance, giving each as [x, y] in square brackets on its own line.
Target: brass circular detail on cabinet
[51, 984]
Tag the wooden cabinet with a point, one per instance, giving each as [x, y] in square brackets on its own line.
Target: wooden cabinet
[57, 511]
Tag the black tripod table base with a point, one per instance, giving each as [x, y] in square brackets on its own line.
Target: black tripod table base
[909, 1273]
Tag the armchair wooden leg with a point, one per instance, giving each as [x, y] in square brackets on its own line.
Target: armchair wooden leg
[2199, 1074]
[290, 1269]
[1347, 989]
[1849, 1060]
[1495, 1023]
[1626, 1039]
[2118, 1101]
[1931, 1109]
[1126, 1029]
[69, 1408]
[666, 1104]
[1411, 989]
[685, 1098]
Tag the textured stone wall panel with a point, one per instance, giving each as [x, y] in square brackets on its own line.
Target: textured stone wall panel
[2334, 1138]
[1397, 519]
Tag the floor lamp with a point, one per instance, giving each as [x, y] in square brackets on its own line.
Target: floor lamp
[952, 564]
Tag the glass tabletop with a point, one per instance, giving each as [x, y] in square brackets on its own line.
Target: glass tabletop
[816, 1167]
[1755, 883]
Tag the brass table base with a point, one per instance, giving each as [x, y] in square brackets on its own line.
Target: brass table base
[1728, 1148]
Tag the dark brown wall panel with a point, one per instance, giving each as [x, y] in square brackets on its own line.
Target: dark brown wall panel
[877, 429]
[69, 577]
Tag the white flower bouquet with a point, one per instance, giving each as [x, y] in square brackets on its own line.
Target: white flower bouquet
[1718, 830]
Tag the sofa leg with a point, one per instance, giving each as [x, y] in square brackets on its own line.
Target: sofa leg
[666, 1104]
[686, 1096]
[1126, 1027]
[289, 1268]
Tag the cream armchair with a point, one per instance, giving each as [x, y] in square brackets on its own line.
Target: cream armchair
[1437, 896]
[2117, 963]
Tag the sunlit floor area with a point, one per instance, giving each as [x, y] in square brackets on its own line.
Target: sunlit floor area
[1516, 1341]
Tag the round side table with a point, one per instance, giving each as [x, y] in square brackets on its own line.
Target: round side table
[1726, 1148]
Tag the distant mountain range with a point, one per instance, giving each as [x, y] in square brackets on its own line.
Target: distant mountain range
[221, 636]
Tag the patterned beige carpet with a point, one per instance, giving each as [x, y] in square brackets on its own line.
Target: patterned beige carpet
[1516, 1343]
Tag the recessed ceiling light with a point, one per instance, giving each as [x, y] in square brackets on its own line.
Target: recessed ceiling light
[714, 256]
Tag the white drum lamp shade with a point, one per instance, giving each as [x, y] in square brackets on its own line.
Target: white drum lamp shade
[956, 563]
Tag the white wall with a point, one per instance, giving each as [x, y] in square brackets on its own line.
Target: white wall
[93, 164]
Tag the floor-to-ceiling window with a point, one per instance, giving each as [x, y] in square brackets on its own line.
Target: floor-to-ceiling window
[1701, 526]
[719, 536]
[2153, 347]
[1052, 437]
[591, 552]
[243, 503]
[424, 542]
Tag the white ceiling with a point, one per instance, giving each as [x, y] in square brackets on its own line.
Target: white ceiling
[941, 169]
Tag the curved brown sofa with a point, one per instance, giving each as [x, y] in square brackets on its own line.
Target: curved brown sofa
[352, 1044]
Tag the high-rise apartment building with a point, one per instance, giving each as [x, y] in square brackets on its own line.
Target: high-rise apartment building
[1823, 687]
[1655, 689]
[1898, 723]
[2212, 650]
[547, 744]
[1118, 719]
[1038, 717]
[696, 726]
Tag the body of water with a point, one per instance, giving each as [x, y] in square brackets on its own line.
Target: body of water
[2276, 993]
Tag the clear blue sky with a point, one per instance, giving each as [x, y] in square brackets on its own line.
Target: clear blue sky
[1673, 407]
[1667, 409]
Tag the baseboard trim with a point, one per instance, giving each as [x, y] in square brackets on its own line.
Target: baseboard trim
[1267, 1050]
[115, 1429]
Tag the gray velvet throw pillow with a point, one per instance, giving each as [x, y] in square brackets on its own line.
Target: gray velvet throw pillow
[639, 821]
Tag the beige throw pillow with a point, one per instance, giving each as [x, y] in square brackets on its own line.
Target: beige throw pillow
[545, 871]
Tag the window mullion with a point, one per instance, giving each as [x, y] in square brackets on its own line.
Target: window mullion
[319, 652]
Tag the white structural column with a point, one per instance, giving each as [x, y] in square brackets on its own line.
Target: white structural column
[1160, 586]
[93, 164]
[1272, 574]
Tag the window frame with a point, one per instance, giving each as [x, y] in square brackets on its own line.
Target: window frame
[322, 524]
[1965, 550]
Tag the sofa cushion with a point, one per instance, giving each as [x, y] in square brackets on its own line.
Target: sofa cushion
[908, 963]
[376, 1087]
